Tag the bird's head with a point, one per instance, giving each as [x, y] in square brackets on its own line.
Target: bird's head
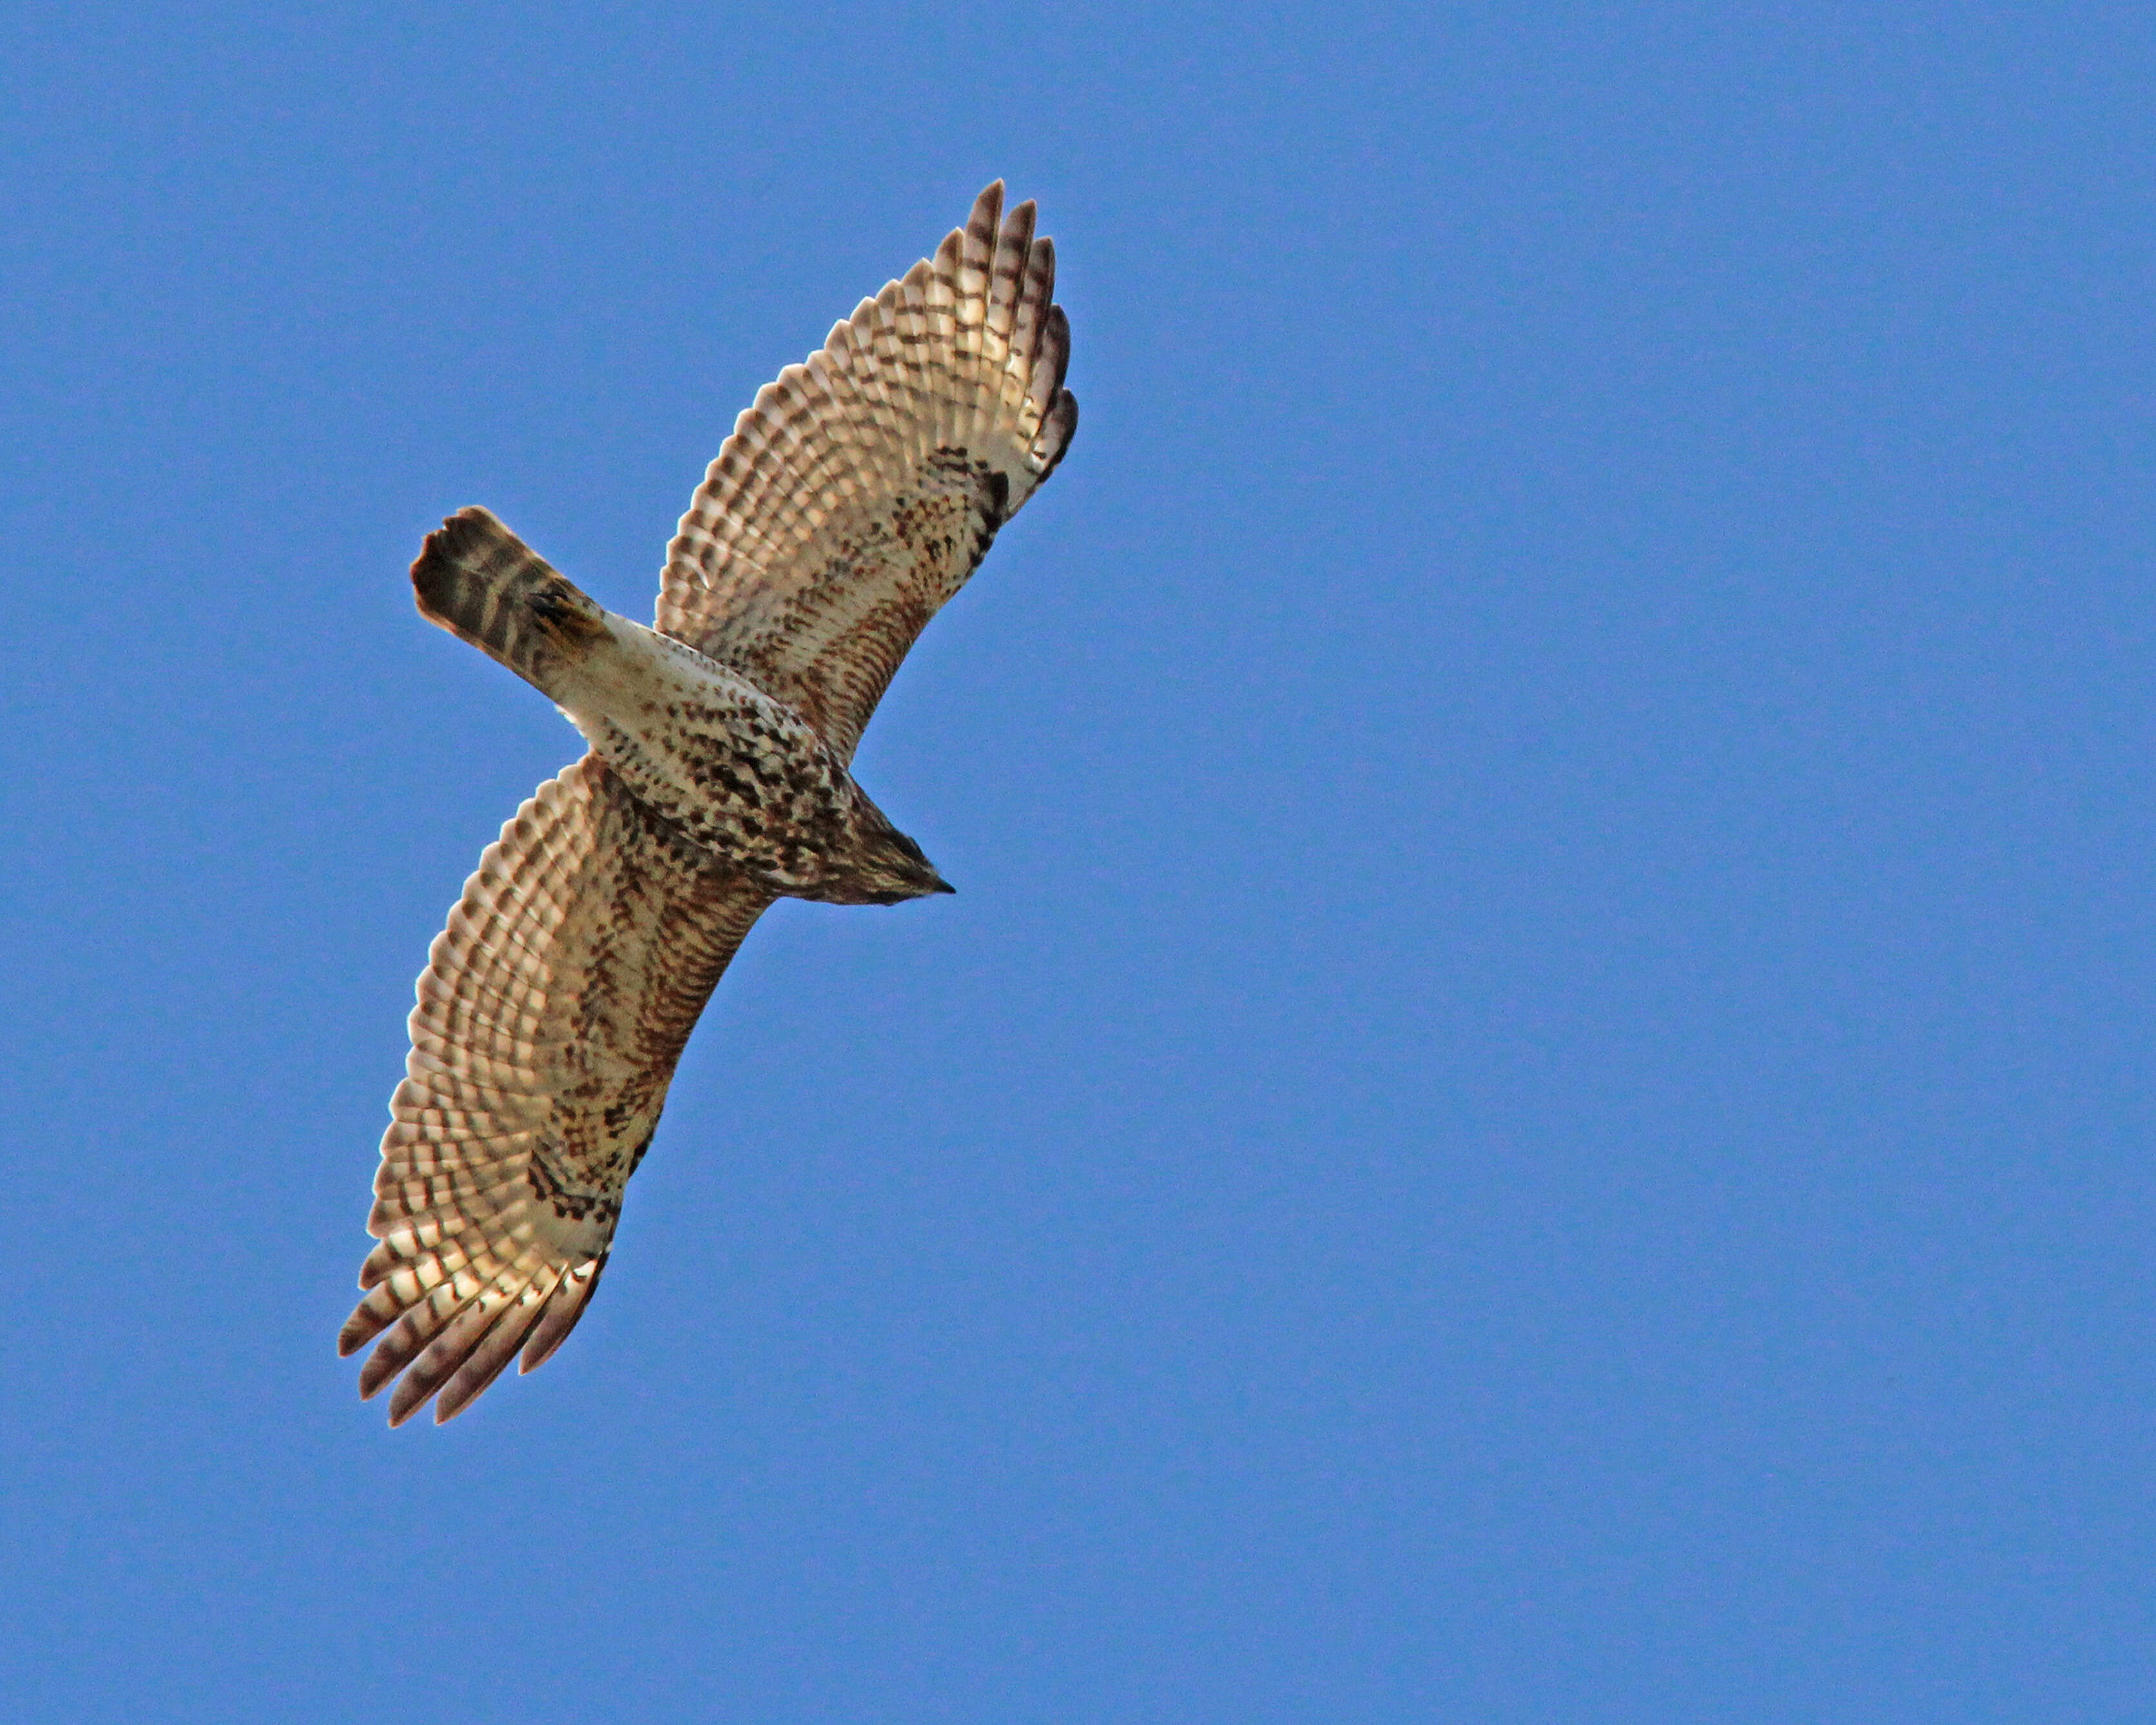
[892, 870]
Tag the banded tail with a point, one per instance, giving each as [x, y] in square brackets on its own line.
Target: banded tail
[482, 582]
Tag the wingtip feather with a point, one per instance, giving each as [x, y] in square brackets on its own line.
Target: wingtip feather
[563, 1311]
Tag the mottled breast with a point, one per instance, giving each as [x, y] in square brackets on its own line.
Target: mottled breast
[741, 774]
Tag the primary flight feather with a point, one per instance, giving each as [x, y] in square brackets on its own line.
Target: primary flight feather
[853, 499]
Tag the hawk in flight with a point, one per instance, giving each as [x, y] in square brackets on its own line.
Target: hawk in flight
[853, 499]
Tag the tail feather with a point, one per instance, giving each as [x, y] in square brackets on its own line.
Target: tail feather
[482, 582]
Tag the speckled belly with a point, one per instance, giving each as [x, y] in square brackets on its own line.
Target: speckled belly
[748, 786]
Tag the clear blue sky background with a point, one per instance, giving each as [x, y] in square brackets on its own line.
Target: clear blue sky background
[1537, 1101]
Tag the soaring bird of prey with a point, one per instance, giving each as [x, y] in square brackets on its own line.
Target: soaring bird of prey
[853, 499]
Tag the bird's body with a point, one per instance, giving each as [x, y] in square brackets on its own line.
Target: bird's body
[852, 501]
[741, 775]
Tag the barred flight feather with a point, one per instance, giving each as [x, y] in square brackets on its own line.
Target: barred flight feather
[863, 488]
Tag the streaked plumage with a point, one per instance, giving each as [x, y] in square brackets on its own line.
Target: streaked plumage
[852, 499]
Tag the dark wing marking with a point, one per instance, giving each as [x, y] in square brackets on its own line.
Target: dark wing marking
[551, 1015]
[864, 486]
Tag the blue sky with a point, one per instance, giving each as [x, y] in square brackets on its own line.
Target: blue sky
[1536, 1103]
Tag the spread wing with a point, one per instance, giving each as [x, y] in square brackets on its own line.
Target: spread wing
[551, 1013]
[864, 486]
